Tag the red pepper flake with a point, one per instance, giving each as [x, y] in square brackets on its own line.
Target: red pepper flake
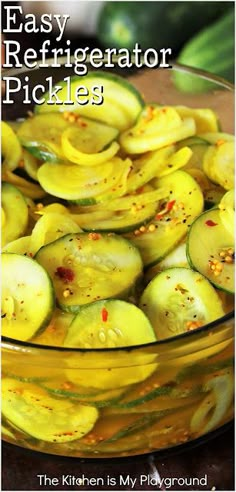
[94, 236]
[170, 205]
[167, 208]
[65, 274]
[210, 223]
[104, 314]
[140, 190]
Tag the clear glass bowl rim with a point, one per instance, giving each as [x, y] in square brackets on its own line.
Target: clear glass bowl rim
[174, 65]
[6, 342]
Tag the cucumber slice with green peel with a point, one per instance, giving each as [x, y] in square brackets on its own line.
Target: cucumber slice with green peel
[156, 128]
[35, 412]
[50, 227]
[206, 119]
[109, 323]
[15, 213]
[24, 379]
[203, 369]
[140, 424]
[116, 428]
[55, 332]
[213, 138]
[198, 146]
[31, 164]
[140, 400]
[91, 145]
[218, 164]
[44, 152]
[215, 405]
[156, 402]
[213, 196]
[80, 183]
[178, 300]
[157, 163]
[118, 221]
[183, 202]
[27, 297]
[227, 211]
[157, 240]
[210, 250]
[42, 135]
[90, 266]
[176, 258]
[212, 192]
[157, 434]
[121, 105]
[89, 137]
[20, 246]
[99, 399]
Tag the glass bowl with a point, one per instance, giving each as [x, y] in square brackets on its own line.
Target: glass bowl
[144, 398]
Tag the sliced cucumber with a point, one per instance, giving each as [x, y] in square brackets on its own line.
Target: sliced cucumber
[134, 399]
[80, 183]
[156, 127]
[55, 332]
[52, 420]
[184, 201]
[31, 164]
[27, 297]
[96, 266]
[206, 120]
[215, 405]
[44, 152]
[198, 147]
[20, 246]
[89, 144]
[218, 164]
[109, 323]
[27, 188]
[178, 300]
[212, 192]
[44, 136]
[114, 377]
[227, 211]
[213, 138]
[41, 135]
[210, 250]
[176, 258]
[14, 213]
[50, 227]
[118, 221]
[156, 163]
[203, 369]
[87, 396]
[121, 105]
[213, 196]
[140, 423]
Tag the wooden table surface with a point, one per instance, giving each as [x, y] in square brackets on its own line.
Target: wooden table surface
[212, 461]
